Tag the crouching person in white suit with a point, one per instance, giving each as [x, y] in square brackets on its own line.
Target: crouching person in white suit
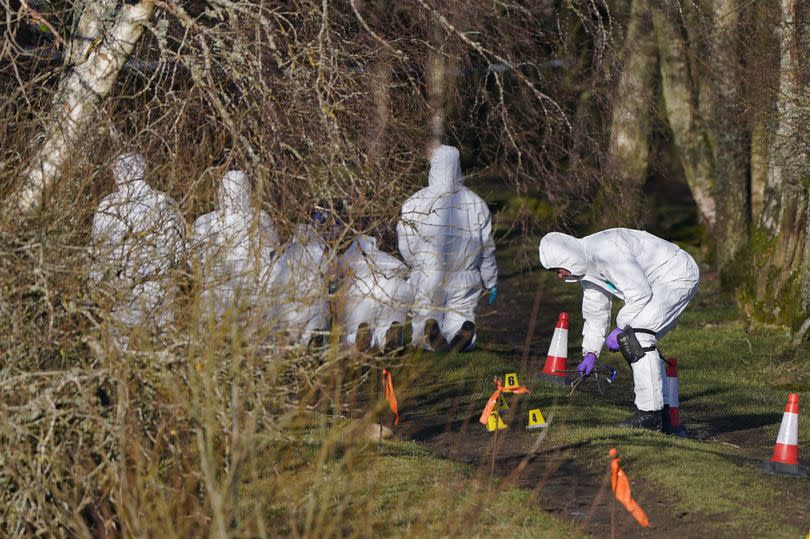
[235, 245]
[298, 286]
[655, 279]
[136, 241]
[376, 297]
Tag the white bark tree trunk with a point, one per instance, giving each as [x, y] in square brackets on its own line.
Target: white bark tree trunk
[76, 103]
[788, 159]
[631, 121]
[782, 270]
[731, 145]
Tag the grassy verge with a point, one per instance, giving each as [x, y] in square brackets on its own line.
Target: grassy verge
[734, 382]
[398, 489]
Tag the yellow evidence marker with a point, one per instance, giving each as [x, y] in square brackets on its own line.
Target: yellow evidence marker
[510, 381]
[495, 422]
[536, 420]
[502, 405]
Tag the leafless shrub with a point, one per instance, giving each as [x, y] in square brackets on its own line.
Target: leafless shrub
[328, 103]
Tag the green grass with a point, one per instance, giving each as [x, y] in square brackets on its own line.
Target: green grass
[398, 490]
[734, 382]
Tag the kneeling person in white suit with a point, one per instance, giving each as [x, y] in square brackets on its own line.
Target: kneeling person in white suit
[376, 297]
[445, 236]
[137, 239]
[235, 245]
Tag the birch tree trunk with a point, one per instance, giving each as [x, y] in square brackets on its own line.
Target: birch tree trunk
[631, 121]
[97, 55]
[686, 104]
[731, 144]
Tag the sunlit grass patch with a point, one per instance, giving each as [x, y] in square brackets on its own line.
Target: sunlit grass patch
[399, 491]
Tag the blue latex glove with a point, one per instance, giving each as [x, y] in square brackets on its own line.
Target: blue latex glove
[493, 293]
[585, 368]
[611, 341]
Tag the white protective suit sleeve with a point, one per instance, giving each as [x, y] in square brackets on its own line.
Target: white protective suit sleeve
[100, 247]
[596, 302]
[405, 235]
[489, 268]
[269, 236]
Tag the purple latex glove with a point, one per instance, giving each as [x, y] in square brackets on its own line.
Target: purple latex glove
[612, 340]
[585, 368]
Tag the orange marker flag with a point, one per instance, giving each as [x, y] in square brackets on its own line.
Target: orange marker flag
[621, 489]
[493, 400]
[390, 396]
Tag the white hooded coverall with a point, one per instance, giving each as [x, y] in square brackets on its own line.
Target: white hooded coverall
[445, 237]
[298, 285]
[655, 279]
[136, 239]
[235, 246]
[376, 291]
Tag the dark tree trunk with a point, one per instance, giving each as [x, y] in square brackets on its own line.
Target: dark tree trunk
[779, 285]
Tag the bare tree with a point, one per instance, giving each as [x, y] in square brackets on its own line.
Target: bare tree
[96, 53]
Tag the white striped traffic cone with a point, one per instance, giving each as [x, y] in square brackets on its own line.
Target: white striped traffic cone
[785, 459]
[557, 357]
[672, 421]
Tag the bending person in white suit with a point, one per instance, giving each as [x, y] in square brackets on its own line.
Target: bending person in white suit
[655, 279]
[298, 285]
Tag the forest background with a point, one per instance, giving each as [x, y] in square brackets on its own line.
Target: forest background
[588, 113]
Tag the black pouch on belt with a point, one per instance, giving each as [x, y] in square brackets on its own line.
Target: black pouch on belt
[629, 346]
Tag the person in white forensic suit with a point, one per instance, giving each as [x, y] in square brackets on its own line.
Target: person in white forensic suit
[298, 285]
[654, 278]
[137, 239]
[376, 297]
[445, 237]
[234, 245]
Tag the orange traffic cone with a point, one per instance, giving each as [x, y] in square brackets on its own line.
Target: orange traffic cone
[557, 357]
[672, 419]
[785, 459]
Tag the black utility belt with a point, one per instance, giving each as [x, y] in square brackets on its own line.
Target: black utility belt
[629, 346]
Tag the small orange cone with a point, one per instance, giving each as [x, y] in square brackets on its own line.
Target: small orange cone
[785, 459]
[557, 357]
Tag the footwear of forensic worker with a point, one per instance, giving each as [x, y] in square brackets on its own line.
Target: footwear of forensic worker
[394, 339]
[462, 340]
[433, 336]
[363, 341]
[643, 420]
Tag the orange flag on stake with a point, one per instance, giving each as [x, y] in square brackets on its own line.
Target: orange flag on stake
[621, 489]
[493, 400]
[390, 396]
